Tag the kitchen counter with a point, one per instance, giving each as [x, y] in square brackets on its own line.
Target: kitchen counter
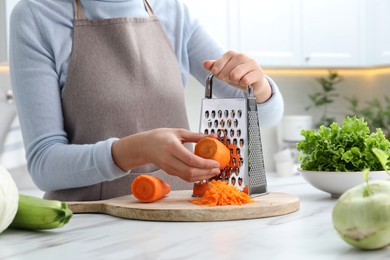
[305, 234]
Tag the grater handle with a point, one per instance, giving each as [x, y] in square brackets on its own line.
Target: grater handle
[209, 88]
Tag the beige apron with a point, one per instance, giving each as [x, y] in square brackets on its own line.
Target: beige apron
[123, 79]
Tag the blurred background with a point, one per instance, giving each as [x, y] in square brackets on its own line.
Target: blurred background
[330, 59]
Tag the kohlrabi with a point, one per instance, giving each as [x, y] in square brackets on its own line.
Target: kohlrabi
[361, 215]
[9, 197]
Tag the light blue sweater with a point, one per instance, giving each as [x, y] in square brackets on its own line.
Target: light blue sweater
[40, 48]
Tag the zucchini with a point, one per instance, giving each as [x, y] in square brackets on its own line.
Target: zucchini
[35, 213]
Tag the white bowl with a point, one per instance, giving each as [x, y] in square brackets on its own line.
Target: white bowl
[336, 183]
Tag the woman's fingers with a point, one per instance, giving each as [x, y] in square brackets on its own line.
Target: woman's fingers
[208, 64]
[235, 68]
[240, 71]
[191, 137]
[188, 166]
[192, 160]
[189, 174]
[166, 151]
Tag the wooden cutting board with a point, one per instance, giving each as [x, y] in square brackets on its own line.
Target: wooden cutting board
[176, 207]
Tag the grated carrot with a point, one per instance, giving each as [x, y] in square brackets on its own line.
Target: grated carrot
[219, 193]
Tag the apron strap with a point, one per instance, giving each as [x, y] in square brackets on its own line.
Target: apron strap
[148, 8]
[79, 11]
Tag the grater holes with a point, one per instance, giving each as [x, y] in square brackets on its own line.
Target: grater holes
[229, 123]
[219, 133]
[240, 181]
[226, 114]
[238, 132]
[247, 159]
[233, 113]
[233, 181]
[226, 124]
[219, 113]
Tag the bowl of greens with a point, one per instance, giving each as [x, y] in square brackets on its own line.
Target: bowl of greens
[332, 158]
[336, 183]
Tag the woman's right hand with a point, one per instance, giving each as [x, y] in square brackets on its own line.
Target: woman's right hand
[164, 148]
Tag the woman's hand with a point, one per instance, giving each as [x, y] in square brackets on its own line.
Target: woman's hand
[164, 148]
[239, 70]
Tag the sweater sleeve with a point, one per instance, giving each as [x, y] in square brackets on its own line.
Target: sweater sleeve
[52, 162]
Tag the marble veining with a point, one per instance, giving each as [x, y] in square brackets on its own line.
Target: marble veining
[305, 234]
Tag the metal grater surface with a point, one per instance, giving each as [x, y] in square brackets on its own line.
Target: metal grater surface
[235, 121]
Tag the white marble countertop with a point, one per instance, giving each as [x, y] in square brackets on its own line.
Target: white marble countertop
[305, 234]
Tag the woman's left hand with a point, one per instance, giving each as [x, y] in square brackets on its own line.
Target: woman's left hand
[240, 71]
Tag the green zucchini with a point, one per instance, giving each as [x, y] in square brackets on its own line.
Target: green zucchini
[35, 213]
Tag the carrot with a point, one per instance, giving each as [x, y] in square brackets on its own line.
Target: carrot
[147, 188]
[199, 189]
[246, 189]
[219, 193]
[210, 148]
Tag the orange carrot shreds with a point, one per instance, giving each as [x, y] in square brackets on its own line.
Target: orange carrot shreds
[246, 189]
[147, 188]
[219, 193]
[210, 148]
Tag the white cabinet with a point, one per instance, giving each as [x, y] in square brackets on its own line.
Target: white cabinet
[303, 33]
[269, 31]
[213, 15]
[6, 7]
[331, 33]
[378, 13]
[3, 33]
[286, 33]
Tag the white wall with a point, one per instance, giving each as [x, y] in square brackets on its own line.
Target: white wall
[6, 7]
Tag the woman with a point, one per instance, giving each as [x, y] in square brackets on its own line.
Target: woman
[99, 92]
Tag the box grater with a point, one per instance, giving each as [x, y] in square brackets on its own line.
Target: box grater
[236, 122]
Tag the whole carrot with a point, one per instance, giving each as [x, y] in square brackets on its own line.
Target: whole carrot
[210, 148]
[147, 188]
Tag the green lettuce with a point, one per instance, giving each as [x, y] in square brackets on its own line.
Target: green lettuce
[347, 148]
